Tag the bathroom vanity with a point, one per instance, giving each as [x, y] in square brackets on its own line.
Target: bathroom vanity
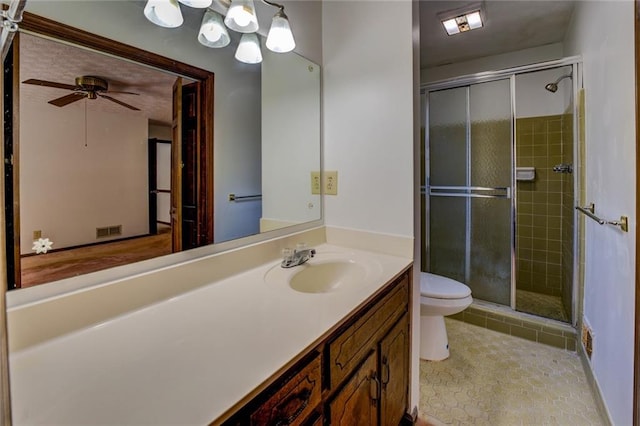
[248, 348]
[359, 374]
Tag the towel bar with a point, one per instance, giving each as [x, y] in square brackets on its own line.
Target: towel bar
[589, 210]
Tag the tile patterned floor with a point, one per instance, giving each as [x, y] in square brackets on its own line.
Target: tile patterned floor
[495, 379]
[541, 304]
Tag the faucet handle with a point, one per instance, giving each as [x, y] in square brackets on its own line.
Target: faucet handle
[287, 253]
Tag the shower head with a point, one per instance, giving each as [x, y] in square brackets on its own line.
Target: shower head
[553, 87]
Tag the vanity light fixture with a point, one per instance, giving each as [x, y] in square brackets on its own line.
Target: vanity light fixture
[249, 49]
[240, 16]
[280, 38]
[463, 22]
[165, 13]
[212, 32]
[197, 4]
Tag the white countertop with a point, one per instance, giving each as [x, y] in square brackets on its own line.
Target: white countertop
[186, 360]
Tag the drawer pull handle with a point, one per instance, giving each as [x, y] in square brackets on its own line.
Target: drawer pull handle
[303, 396]
[385, 371]
[375, 387]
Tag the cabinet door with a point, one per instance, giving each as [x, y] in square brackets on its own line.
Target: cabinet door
[394, 373]
[356, 402]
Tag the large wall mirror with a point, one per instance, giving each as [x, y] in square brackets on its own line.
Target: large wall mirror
[98, 174]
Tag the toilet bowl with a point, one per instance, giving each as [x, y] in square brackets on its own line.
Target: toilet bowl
[439, 296]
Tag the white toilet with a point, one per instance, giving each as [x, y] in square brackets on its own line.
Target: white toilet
[439, 296]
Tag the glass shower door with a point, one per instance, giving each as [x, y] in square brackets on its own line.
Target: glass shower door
[469, 187]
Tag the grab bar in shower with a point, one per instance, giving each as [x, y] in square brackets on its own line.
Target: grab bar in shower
[469, 191]
[590, 210]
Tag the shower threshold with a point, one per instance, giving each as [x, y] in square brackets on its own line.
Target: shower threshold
[520, 324]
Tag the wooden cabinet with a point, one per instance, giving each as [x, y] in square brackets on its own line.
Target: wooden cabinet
[394, 373]
[357, 375]
[295, 399]
[355, 404]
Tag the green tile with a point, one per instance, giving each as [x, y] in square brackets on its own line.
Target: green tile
[513, 321]
[554, 137]
[553, 221]
[524, 196]
[539, 221]
[524, 265]
[539, 268]
[539, 243]
[525, 208]
[524, 140]
[539, 148]
[539, 126]
[571, 345]
[539, 232]
[531, 325]
[526, 219]
[498, 326]
[524, 231]
[554, 233]
[552, 340]
[525, 333]
[553, 269]
[555, 149]
[552, 330]
[459, 316]
[555, 186]
[524, 151]
[475, 319]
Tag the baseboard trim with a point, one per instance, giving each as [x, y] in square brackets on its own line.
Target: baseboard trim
[595, 387]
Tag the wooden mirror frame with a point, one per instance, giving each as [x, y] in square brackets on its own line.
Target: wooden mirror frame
[204, 164]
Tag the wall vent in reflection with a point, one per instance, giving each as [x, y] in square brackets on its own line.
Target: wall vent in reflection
[108, 231]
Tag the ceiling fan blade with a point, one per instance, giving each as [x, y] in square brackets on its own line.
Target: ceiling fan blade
[67, 99]
[49, 84]
[119, 91]
[118, 102]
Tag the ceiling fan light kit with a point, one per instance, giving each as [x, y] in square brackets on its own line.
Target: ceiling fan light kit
[239, 16]
[89, 87]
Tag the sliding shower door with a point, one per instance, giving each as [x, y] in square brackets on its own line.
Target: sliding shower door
[469, 187]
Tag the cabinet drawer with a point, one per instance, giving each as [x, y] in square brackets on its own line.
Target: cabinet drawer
[349, 348]
[294, 401]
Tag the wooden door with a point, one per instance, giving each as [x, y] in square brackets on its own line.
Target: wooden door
[394, 373]
[190, 166]
[176, 167]
[356, 403]
[10, 87]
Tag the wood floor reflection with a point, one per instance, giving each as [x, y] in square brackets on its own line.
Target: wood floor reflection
[57, 265]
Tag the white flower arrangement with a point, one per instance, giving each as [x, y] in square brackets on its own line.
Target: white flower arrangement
[41, 245]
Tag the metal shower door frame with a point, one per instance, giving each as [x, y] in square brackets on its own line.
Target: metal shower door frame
[488, 76]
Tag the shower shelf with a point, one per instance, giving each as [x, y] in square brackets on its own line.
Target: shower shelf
[589, 210]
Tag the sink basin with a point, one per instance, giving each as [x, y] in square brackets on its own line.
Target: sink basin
[326, 277]
[327, 272]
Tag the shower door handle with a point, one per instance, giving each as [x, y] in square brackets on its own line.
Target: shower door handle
[470, 191]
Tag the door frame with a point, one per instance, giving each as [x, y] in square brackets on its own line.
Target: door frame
[153, 184]
[43, 26]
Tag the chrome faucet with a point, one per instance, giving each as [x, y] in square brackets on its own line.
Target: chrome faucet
[296, 257]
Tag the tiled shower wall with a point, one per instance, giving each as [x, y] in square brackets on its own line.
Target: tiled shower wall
[544, 206]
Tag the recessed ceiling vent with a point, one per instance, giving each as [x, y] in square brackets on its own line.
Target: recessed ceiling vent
[108, 231]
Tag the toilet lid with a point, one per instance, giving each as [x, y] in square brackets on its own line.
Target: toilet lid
[439, 287]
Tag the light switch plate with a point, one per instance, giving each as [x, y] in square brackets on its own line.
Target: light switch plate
[315, 183]
[331, 182]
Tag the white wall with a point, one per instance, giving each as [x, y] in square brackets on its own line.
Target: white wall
[603, 32]
[368, 115]
[492, 63]
[533, 100]
[67, 188]
[291, 134]
[368, 106]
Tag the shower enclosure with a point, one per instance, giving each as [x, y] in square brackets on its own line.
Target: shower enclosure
[498, 186]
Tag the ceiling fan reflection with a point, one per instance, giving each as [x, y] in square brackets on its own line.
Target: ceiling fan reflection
[86, 87]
